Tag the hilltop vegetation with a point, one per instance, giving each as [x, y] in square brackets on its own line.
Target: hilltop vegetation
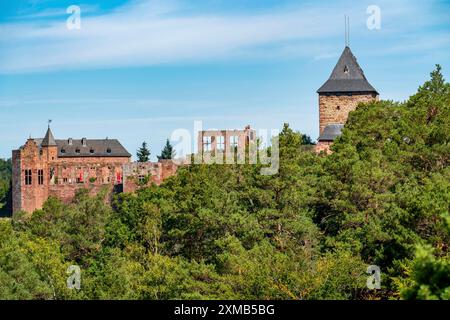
[227, 232]
[5, 186]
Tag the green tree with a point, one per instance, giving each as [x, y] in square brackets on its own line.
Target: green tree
[167, 152]
[143, 153]
[5, 184]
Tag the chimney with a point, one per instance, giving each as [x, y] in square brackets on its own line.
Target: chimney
[83, 142]
[70, 141]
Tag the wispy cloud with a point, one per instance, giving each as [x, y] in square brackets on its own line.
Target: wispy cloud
[145, 33]
[54, 12]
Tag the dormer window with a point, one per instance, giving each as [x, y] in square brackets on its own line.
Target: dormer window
[108, 150]
[345, 69]
[63, 150]
[91, 151]
[77, 151]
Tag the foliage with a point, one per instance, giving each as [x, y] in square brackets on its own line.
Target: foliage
[5, 181]
[227, 232]
[143, 153]
[167, 152]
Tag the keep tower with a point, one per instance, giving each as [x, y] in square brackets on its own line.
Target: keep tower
[346, 87]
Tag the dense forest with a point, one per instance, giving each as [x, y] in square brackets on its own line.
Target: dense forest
[226, 232]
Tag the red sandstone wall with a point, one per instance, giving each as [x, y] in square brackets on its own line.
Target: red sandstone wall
[29, 197]
[60, 175]
[323, 146]
[156, 172]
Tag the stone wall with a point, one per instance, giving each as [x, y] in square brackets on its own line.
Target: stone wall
[28, 197]
[224, 153]
[323, 146]
[61, 176]
[139, 175]
[334, 108]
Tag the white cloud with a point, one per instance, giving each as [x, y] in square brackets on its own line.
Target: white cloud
[148, 34]
[145, 33]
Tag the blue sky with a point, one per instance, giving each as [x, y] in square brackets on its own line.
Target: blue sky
[138, 70]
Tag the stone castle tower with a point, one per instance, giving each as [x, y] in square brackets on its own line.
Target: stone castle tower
[340, 94]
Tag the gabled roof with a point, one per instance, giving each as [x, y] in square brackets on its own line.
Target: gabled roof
[347, 76]
[49, 140]
[331, 132]
[91, 148]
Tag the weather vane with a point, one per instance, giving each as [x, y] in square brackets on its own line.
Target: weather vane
[49, 121]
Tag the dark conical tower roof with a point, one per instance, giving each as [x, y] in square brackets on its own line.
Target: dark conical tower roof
[49, 140]
[347, 76]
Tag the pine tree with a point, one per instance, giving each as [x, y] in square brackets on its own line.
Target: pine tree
[168, 152]
[143, 153]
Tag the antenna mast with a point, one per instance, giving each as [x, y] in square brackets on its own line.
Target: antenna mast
[345, 28]
[348, 31]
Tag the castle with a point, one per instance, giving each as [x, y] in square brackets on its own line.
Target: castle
[341, 93]
[48, 167]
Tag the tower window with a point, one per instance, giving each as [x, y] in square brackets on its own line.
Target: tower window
[338, 108]
[40, 177]
[345, 69]
[28, 177]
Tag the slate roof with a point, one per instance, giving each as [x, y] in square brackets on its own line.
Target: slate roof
[48, 140]
[347, 76]
[331, 132]
[92, 147]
